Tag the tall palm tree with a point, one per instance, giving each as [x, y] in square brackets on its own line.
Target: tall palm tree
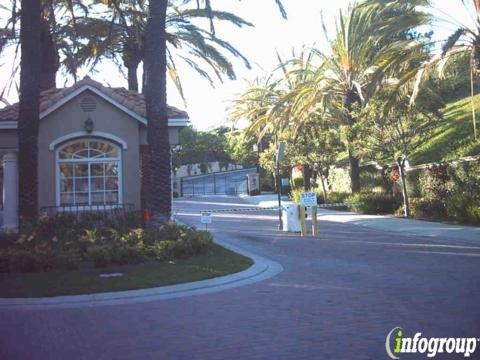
[29, 109]
[158, 160]
[119, 35]
[369, 44]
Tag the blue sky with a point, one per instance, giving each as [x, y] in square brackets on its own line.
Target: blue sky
[206, 105]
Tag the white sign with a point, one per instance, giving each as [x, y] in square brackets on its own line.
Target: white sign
[206, 218]
[285, 182]
[308, 199]
[280, 155]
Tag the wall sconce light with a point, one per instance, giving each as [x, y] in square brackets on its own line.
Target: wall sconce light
[88, 125]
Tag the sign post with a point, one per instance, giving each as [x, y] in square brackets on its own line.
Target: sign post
[206, 219]
[309, 199]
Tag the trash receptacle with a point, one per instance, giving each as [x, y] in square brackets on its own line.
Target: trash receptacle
[291, 219]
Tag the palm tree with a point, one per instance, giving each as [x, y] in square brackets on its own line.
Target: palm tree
[369, 44]
[463, 42]
[29, 109]
[158, 160]
[119, 35]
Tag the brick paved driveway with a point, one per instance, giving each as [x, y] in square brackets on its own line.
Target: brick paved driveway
[337, 298]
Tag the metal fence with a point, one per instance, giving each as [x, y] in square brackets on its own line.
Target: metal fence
[222, 183]
[106, 211]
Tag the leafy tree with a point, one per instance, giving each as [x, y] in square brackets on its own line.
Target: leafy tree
[393, 133]
[316, 146]
[240, 148]
[201, 147]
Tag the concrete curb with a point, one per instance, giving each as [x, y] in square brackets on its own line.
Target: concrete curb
[262, 269]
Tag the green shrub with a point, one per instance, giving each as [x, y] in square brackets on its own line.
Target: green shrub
[425, 208]
[67, 260]
[127, 254]
[463, 203]
[101, 255]
[63, 242]
[336, 197]
[191, 243]
[464, 207]
[373, 203]
[371, 178]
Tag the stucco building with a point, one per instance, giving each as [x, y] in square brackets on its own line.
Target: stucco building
[89, 148]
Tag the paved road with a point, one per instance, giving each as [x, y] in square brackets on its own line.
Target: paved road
[337, 298]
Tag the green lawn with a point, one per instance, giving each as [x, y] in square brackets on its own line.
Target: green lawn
[219, 261]
[454, 137]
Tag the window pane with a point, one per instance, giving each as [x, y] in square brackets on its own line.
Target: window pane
[96, 154]
[74, 150]
[81, 185]
[102, 149]
[111, 183]
[111, 169]
[81, 199]
[96, 169]
[66, 170]
[81, 170]
[66, 185]
[97, 198]
[111, 197]
[97, 183]
[66, 199]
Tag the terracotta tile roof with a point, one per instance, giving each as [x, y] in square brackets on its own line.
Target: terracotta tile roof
[130, 99]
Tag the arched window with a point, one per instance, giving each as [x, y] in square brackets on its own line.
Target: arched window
[88, 173]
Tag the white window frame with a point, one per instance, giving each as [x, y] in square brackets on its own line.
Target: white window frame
[59, 161]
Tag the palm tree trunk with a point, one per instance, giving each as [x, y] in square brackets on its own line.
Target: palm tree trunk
[406, 202]
[132, 77]
[29, 110]
[354, 172]
[131, 60]
[50, 59]
[158, 199]
[350, 99]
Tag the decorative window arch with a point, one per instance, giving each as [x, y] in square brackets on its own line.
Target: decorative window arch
[89, 173]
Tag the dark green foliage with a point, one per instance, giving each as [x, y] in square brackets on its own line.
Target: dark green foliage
[428, 208]
[64, 241]
[297, 183]
[371, 178]
[337, 197]
[464, 198]
[373, 203]
[449, 192]
[202, 147]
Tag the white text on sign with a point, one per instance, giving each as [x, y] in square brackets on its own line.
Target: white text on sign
[206, 218]
[308, 199]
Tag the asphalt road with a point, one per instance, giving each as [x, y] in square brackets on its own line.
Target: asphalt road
[337, 298]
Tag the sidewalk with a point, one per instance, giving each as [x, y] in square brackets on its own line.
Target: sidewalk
[385, 223]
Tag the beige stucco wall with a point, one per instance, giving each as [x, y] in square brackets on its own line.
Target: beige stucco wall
[69, 119]
[173, 135]
[8, 139]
